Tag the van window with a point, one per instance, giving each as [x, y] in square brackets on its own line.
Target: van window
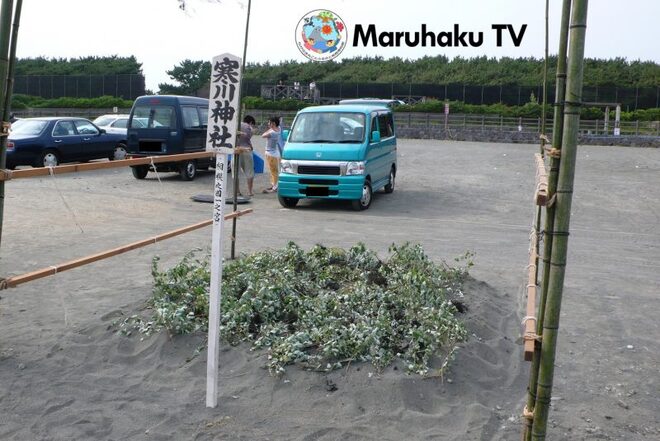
[374, 127]
[190, 117]
[154, 117]
[203, 116]
[385, 125]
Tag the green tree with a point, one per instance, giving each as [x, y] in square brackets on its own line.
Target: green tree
[190, 76]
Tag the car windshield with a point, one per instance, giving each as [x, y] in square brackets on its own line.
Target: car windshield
[28, 127]
[328, 128]
[153, 116]
[104, 120]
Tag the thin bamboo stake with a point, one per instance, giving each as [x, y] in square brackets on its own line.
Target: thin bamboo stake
[14, 281]
[6, 175]
[6, 9]
[564, 198]
[235, 170]
[560, 90]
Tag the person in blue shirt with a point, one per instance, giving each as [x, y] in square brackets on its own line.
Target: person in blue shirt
[274, 144]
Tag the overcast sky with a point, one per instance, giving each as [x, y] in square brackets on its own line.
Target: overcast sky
[160, 35]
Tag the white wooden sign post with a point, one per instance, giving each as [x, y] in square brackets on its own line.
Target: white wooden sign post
[221, 133]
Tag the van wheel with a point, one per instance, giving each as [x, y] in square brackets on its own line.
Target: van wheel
[287, 202]
[188, 170]
[140, 171]
[365, 201]
[389, 187]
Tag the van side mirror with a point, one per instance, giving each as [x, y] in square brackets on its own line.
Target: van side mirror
[375, 136]
[285, 135]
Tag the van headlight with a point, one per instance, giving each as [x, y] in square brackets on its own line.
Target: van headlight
[355, 168]
[286, 167]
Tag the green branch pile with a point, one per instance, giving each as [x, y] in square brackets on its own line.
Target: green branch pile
[322, 308]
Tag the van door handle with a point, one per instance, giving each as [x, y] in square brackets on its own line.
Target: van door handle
[58, 140]
[86, 139]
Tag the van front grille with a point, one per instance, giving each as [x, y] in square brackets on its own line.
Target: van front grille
[304, 181]
[318, 170]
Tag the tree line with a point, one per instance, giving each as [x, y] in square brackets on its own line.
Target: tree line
[482, 71]
[112, 65]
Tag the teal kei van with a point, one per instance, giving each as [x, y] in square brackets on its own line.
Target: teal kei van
[345, 151]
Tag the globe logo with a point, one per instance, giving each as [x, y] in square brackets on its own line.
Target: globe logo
[321, 35]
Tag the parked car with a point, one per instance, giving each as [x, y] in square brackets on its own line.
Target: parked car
[339, 152]
[112, 123]
[168, 125]
[44, 142]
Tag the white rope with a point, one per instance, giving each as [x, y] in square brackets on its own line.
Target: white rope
[73, 214]
[528, 317]
[155, 170]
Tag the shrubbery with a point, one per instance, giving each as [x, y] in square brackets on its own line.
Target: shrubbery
[529, 110]
[322, 308]
[26, 101]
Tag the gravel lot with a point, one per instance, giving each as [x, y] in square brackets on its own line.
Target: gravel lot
[451, 197]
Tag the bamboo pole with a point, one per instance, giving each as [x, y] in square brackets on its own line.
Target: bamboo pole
[564, 196]
[6, 9]
[541, 191]
[560, 90]
[12, 57]
[14, 281]
[529, 322]
[235, 171]
[6, 175]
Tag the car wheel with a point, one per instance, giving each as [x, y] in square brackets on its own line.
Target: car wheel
[365, 201]
[119, 152]
[140, 171]
[188, 170]
[389, 187]
[287, 202]
[48, 158]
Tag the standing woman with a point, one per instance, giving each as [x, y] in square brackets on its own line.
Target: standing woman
[273, 155]
[244, 151]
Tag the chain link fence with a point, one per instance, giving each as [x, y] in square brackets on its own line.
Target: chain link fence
[512, 95]
[126, 86]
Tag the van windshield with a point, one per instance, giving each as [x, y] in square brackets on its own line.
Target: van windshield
[328, 128]
[161, 117]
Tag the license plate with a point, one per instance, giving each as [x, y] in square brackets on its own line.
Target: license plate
[316, 191]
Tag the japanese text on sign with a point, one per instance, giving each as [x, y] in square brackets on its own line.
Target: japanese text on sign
[218, 201]
[223, 103]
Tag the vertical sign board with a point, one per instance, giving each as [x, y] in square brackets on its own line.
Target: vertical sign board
[221, 132]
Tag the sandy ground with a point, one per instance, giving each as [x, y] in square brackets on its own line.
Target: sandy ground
[66, 375]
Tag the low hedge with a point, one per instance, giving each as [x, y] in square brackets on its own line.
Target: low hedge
[529, 110]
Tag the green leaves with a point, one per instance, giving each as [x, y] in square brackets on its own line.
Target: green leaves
[190, 76]
[322, 308]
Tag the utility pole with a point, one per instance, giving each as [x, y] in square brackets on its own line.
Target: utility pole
[234, 170]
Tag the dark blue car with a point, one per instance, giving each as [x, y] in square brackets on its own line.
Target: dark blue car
[45, 142]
